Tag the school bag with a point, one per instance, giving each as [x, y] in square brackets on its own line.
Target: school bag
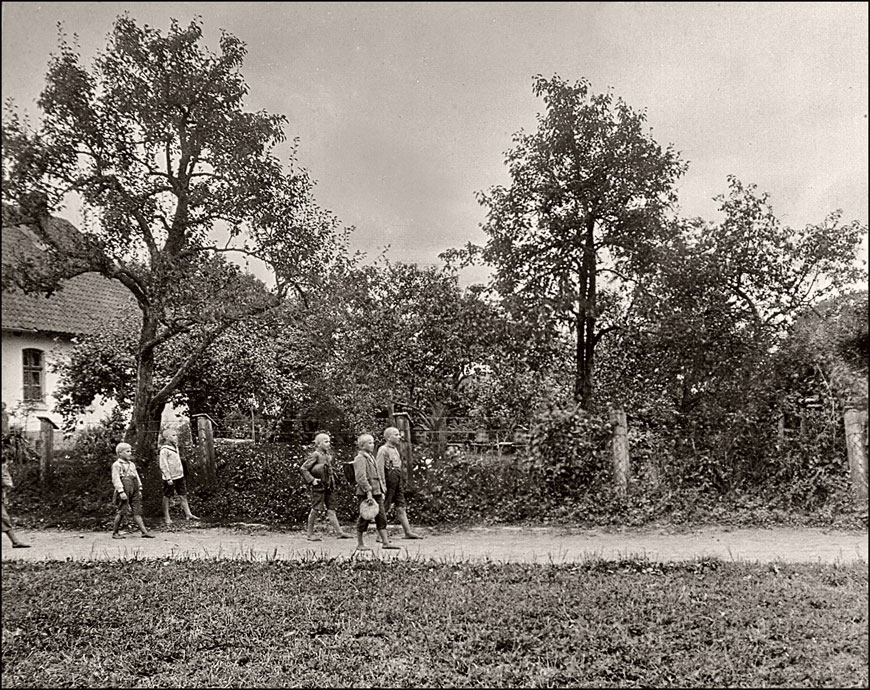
[349, 473]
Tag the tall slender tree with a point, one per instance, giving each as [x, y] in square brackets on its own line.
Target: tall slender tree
[588, 191]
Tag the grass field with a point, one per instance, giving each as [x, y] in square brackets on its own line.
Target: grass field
[328, 623]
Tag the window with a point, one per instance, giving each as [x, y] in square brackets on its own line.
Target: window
[34, 374]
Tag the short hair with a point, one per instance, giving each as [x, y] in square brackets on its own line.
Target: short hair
[362, 439]
[321, 435]
[122, 446]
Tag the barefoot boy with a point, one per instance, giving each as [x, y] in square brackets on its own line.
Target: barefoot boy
[391, 460]
[172, 470]
[318, 472]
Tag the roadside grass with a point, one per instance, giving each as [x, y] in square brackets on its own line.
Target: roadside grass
[326, 622]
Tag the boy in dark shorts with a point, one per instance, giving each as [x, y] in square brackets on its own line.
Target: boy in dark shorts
[390, 459]
[128, 490]
[318, 473]
[370, 485]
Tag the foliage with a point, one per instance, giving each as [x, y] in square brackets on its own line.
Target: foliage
[99, 365]
[327, 623]
[514, 387]
[459, 490]
[155, 141]
[570, 453]
[586, 202]
[827, 350]
[412, 336]
[97, 443]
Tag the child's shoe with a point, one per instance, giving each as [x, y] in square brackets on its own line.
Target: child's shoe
[116, 535]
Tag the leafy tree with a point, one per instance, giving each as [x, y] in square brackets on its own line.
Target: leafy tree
[702, 339]
[588, 193]
[409, 339]
[155, 142]
[827, 350]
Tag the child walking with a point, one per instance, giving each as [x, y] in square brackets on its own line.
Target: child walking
[128, 490]
[8, 529]
[172, 471]
[370, 484]
[318, 472]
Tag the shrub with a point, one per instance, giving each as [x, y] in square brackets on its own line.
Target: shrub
[262, 483]
[97, 444]
[569, 454]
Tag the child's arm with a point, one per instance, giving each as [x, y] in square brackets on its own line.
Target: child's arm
[360, 474]
[164, 464]
[116, 477]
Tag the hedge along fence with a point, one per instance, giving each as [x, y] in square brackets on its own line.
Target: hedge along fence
[568, 462]
[568, 473]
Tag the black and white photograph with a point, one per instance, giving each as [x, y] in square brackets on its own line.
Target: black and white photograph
[434, 344]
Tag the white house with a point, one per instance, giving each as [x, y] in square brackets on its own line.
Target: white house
[38, 331]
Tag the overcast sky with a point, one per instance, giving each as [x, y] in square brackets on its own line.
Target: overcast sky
[404, 110]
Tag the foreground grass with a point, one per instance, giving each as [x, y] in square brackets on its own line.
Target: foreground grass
[328, 623]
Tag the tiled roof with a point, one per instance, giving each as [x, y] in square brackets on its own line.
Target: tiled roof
[83, 305]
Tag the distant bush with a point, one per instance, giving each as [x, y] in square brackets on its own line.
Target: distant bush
[96, 444]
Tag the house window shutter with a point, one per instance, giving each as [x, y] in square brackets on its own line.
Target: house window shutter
[33, 374]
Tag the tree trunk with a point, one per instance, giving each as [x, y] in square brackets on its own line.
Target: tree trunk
[580, 364]
[144, 430]
[586, 320]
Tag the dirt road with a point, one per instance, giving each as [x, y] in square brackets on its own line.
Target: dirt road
[498, 544]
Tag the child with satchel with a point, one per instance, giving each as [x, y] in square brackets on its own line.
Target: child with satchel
[317, 472]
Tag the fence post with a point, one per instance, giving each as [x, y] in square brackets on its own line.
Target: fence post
[46, 442]
[205, 435]
[402, 421]
[620, 451]
[853, 423]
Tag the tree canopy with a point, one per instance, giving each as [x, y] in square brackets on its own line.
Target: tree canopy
[588, 193]
[155, 142]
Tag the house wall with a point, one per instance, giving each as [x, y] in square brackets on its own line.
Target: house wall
[26, 416]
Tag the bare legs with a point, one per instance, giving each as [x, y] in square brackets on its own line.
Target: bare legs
[9, 530]
[184, 505]
[406, 526]
[383, 538]
[139, 523]
[332, 518]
